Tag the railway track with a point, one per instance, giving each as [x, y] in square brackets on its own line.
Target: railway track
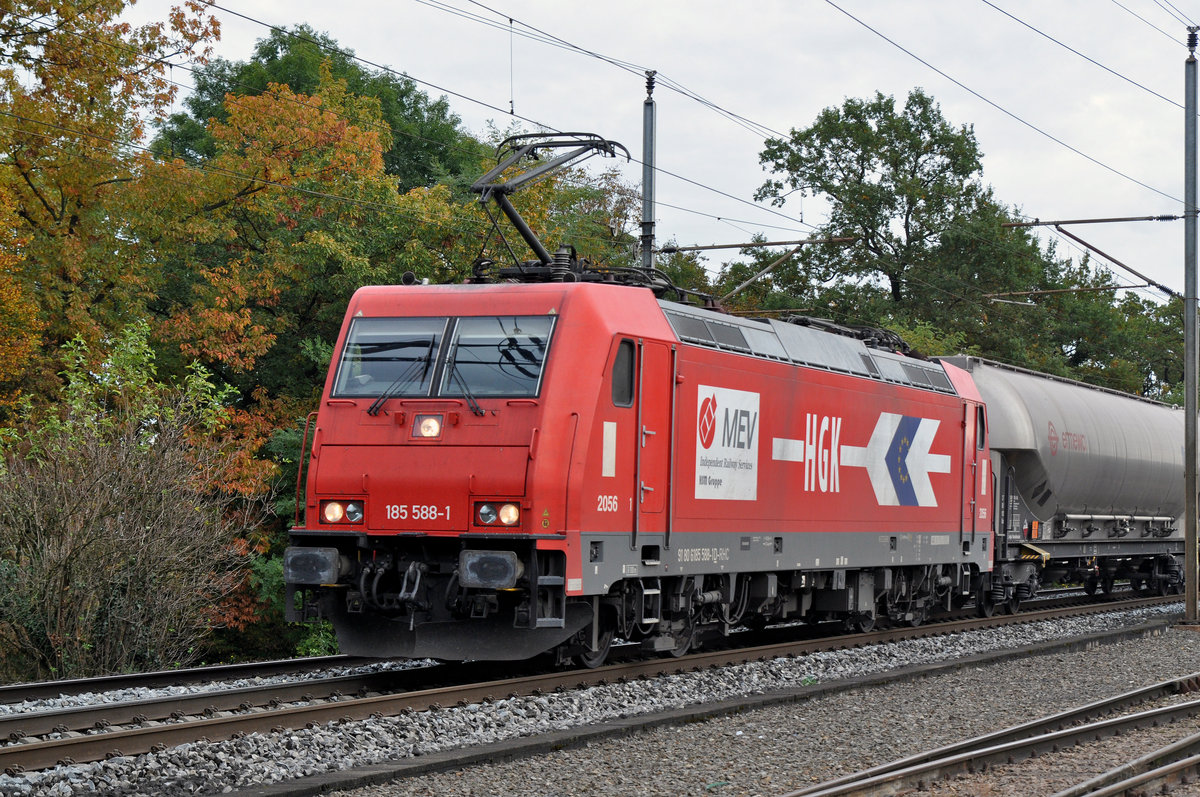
[39, 740]
[17, 693]
[1175, 761]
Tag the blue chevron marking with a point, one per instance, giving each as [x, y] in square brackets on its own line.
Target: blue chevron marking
[897, 460]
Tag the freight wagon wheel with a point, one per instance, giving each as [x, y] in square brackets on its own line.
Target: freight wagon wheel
[1013, 604]
[1090, 585]
[1106, 584]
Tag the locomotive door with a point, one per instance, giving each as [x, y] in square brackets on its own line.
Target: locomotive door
[652, 471]
[974, 478]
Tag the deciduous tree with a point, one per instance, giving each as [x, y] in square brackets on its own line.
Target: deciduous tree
[424, 140]
[76, 85]
[895, 179]
[20, 326]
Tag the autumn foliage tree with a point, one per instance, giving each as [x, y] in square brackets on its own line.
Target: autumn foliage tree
[293, 212]
[20, 326]
[76, 87]
[425, 145]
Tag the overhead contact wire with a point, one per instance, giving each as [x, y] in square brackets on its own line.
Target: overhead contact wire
[1001, 108]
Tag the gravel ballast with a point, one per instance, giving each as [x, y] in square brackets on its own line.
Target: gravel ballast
[765, 751]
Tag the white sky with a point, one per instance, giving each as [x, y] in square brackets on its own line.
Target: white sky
[779, 63]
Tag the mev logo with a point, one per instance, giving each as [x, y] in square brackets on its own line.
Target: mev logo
[738, 429]
[707, 425]
[726, 457]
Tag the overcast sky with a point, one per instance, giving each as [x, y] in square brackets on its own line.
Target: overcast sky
[1065, 135]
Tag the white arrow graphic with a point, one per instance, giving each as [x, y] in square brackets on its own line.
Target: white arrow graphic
[898, 460]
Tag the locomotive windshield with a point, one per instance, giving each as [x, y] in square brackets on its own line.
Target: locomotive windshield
[392, 354]
[499, 356]
[475, 356]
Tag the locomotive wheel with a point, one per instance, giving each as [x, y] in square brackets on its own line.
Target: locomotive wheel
[984, 603]
[595, 659]
[860, 623]
[684, 640]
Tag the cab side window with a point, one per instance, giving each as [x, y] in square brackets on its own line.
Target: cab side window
[622, 375]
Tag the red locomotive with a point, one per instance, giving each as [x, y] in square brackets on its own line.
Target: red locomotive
[502, 469]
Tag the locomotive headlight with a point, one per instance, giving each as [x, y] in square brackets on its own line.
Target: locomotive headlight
[427, 426]
[510, 514]
[333, 511]
[342, 511]
[489, 514]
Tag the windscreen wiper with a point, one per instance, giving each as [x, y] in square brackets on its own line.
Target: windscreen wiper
[471, 402]
[407, 374]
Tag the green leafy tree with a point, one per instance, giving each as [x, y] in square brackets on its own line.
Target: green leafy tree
[1156, 332]
[928, 341]
[933, 253]
[895, 180]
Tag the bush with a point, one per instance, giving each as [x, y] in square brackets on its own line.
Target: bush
[117, 527]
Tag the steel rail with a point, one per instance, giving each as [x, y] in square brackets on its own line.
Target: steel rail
[41, 690]
[97, 717]
[1169, 765]
[1158, 778]
[127, 712]
[977, 757]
